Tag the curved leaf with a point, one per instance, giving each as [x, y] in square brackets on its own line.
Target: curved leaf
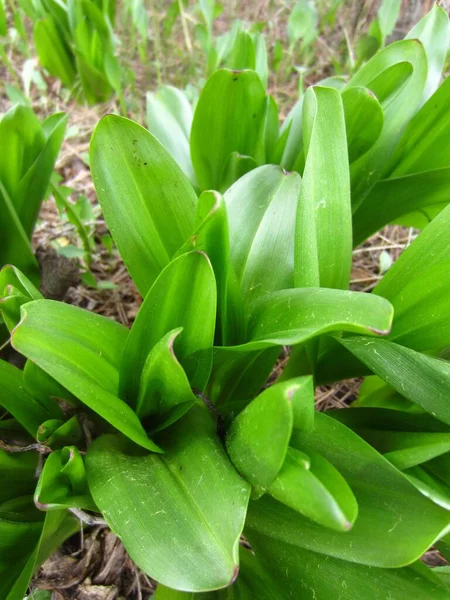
[171, 524]
[294, 316]
[184, 295]
[147, 201]
[262, 229]
[363, 120]
[228, 118]
[169, 118]
[82, 351]
[420, 378]
[395, 523]
[323, 238]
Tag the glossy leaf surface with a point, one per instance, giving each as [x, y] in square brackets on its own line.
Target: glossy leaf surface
[147, 201]
[171, 524]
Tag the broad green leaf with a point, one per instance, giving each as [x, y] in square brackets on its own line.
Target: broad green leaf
[82, 351]
[390, 508]
[363, 120]
[397, 77]
[54, 54]
[323, 238]
[261, 61]
[388, 14]
[420, 378]
[228, 118]
[22, 134]
[243, 53]
[15, 289]
[434, 33]
[387, 419]
[164, 393]
[63, 482]
[56, 433]
[16, 247]
[407, 449]
[239, 375]
[18, 469]
[44, 388]
[316, 489]
[258, 438]
[236, 167]
[33, 186]
[179, 532]
[425, 143]
[290, 143]
[430, 486]
[292, 317]
[57, 527]
[211, 236]
[303, 23]
[391, 199]
[315, 575]
[18, 402]
[374, 392]
[169, 118]
[146, 199]
[262, 230]
[417, 285]
[184, 295]
[252, 582]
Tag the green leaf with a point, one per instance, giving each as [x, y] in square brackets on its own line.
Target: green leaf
[54, 54]
[228, 118]
[262, 230]
[408, 449]
[179, 533]
[390, 508]
[396, 76]
[44, 388]
[183, 296]
[417, 285]
[18, 469]
[15, 289]
[239, 375]
[147, 201]
[316, 489]
[33, 186]
[388, 14]
[363, 120]
[15, 399]
[165, 394]
[391, 199]
[243, 52]
[420, 378]
[303, 23]
[434, 33]
[236, 167]
[258, 438]
[57, 527]
[323, 238]
[292, 317]
[63, 482]
[425, 143]
[293, 568]
[211, 236]
[82, 351]
[169, 119]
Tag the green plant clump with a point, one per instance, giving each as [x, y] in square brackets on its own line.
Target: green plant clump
[207, 461]
[75, 42]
